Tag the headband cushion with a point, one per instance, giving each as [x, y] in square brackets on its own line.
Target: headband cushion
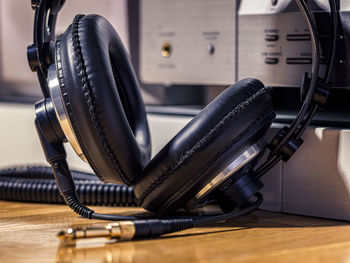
[102, 99]
[235, 120]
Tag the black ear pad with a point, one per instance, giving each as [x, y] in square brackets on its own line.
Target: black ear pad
[235, 120]
[102, 99]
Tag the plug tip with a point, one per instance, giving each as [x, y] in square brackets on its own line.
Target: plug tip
[61, 235]
[68, 234]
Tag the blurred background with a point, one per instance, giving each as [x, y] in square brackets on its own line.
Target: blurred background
[186, 52]
[16, 33]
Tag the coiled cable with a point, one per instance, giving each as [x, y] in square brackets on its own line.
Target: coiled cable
[37, 184]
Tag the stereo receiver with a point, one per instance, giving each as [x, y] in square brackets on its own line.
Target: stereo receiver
[219, 42]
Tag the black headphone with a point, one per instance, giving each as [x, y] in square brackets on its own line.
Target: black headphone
[92, 100]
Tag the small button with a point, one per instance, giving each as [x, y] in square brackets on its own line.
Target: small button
[274, 2]
[271, 61]
[211, 49]
[298, 61]
[298, 37]
[271, 37]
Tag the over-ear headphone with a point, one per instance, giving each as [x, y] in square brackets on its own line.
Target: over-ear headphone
[96, 98]
[92, 100]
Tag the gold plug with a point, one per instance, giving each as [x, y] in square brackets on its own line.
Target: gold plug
[123, 230]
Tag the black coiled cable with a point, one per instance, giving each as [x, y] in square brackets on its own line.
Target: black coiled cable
[37, 184]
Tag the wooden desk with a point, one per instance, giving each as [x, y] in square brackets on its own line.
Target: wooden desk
[28, 234]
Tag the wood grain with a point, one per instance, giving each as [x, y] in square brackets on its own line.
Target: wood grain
[28, 234]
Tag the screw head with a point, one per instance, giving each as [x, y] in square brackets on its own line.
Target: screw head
[35, 4]
[56, 165]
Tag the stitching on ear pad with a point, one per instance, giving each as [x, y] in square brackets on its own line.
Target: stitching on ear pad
[236, 119]
[102, 99]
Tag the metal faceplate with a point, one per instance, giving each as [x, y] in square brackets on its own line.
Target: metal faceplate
[196, 42]
[61, 113]
[188, 41]
[236, 164]
[274, 43]
[274, 48]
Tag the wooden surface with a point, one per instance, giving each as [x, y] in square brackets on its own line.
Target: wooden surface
[28, 234]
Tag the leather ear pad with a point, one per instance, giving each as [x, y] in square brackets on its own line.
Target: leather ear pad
[231, 123]
[102, 99]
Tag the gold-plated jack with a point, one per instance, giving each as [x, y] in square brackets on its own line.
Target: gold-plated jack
[123, 230]
[166, 50]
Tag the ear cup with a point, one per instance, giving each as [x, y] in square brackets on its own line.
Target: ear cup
[236, 119]
[102, 99]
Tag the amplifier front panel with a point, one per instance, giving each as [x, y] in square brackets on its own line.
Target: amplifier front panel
[274, 48]
[188, 41]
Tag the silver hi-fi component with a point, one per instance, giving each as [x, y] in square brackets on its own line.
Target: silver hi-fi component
[274, 36]
[196, 36]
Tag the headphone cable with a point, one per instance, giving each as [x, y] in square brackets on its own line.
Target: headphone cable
[314, 75]
[36, 184]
